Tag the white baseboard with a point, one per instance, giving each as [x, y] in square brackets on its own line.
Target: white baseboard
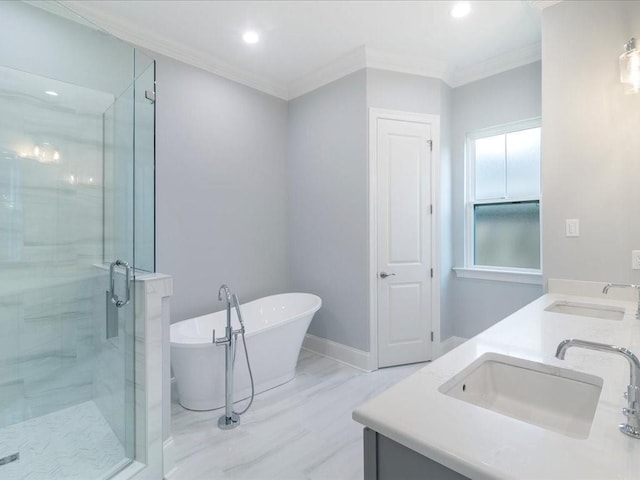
[449, 344]
[360, 359]
[337, 351]
[168, 458]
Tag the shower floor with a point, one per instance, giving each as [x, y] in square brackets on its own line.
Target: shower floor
[71, 444]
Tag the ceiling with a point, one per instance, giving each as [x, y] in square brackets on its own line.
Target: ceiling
[306, 43]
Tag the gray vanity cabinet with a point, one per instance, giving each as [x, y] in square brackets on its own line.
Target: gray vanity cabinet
[385, 459]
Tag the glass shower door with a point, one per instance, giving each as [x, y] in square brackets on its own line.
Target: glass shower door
[66, 213]
[115, 367]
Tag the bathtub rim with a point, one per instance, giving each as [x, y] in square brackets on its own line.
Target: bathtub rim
[203, 344]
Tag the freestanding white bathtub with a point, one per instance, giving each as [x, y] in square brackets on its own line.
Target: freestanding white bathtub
[275, 327]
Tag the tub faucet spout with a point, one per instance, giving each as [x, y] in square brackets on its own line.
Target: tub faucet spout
[225, 294]
[224, 289]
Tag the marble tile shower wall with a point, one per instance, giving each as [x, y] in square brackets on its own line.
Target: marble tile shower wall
[50, 241]
[48, 353]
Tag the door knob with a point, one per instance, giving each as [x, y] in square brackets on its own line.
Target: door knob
[385, 274]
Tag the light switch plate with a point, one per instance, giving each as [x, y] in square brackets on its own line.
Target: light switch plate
[572, 227]
[635, 259]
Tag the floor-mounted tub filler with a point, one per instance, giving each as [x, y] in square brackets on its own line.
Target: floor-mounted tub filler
[231, 419]
[274, 327]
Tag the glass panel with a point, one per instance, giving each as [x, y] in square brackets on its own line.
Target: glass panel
[145, 171]
[507, 235]
[490, 167]
[523, 163]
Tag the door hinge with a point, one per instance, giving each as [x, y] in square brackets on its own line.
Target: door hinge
[430, 142]
[431, 209]
[432, 336]
[432, 273]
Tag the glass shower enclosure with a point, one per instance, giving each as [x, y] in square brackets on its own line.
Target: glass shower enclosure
[77, 113]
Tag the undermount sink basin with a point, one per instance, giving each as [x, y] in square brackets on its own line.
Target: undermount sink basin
[606, 312]
[550, 397]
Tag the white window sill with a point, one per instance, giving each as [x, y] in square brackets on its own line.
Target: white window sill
[500, 275]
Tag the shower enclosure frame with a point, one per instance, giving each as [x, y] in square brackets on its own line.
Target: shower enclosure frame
[82, 310]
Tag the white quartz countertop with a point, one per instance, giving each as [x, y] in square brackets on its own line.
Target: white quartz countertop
[482, 444]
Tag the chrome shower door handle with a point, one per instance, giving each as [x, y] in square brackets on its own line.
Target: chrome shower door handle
[385, 274]
[112, 285]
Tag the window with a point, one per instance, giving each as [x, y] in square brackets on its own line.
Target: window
[503, 198]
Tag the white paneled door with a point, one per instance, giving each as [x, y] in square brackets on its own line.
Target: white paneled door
[404, 219]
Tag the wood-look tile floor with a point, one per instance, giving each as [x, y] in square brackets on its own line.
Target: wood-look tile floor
[300, 430]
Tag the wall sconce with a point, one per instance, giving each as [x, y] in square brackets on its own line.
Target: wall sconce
[630, 67]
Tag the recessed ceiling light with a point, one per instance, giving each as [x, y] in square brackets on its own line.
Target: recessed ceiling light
[250, 37]
[461, 9]
[52, 93]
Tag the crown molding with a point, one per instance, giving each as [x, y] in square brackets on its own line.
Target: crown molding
[61, 10]
[542, 4]
[144, 38]
[364, 57]
[409, 64]
[361, 57]
[501, 63]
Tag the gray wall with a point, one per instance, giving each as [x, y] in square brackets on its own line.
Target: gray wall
[507, 97]
[447, 320]
[328, 207]
[402, 91]
[221, 188]
[590, 142]
[230, 209]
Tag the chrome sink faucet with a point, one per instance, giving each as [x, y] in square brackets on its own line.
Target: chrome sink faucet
[624, 285]
[632, 411]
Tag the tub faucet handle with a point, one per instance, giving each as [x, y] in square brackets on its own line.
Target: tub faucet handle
[219, 341]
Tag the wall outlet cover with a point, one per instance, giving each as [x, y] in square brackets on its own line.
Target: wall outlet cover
[635, 259]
